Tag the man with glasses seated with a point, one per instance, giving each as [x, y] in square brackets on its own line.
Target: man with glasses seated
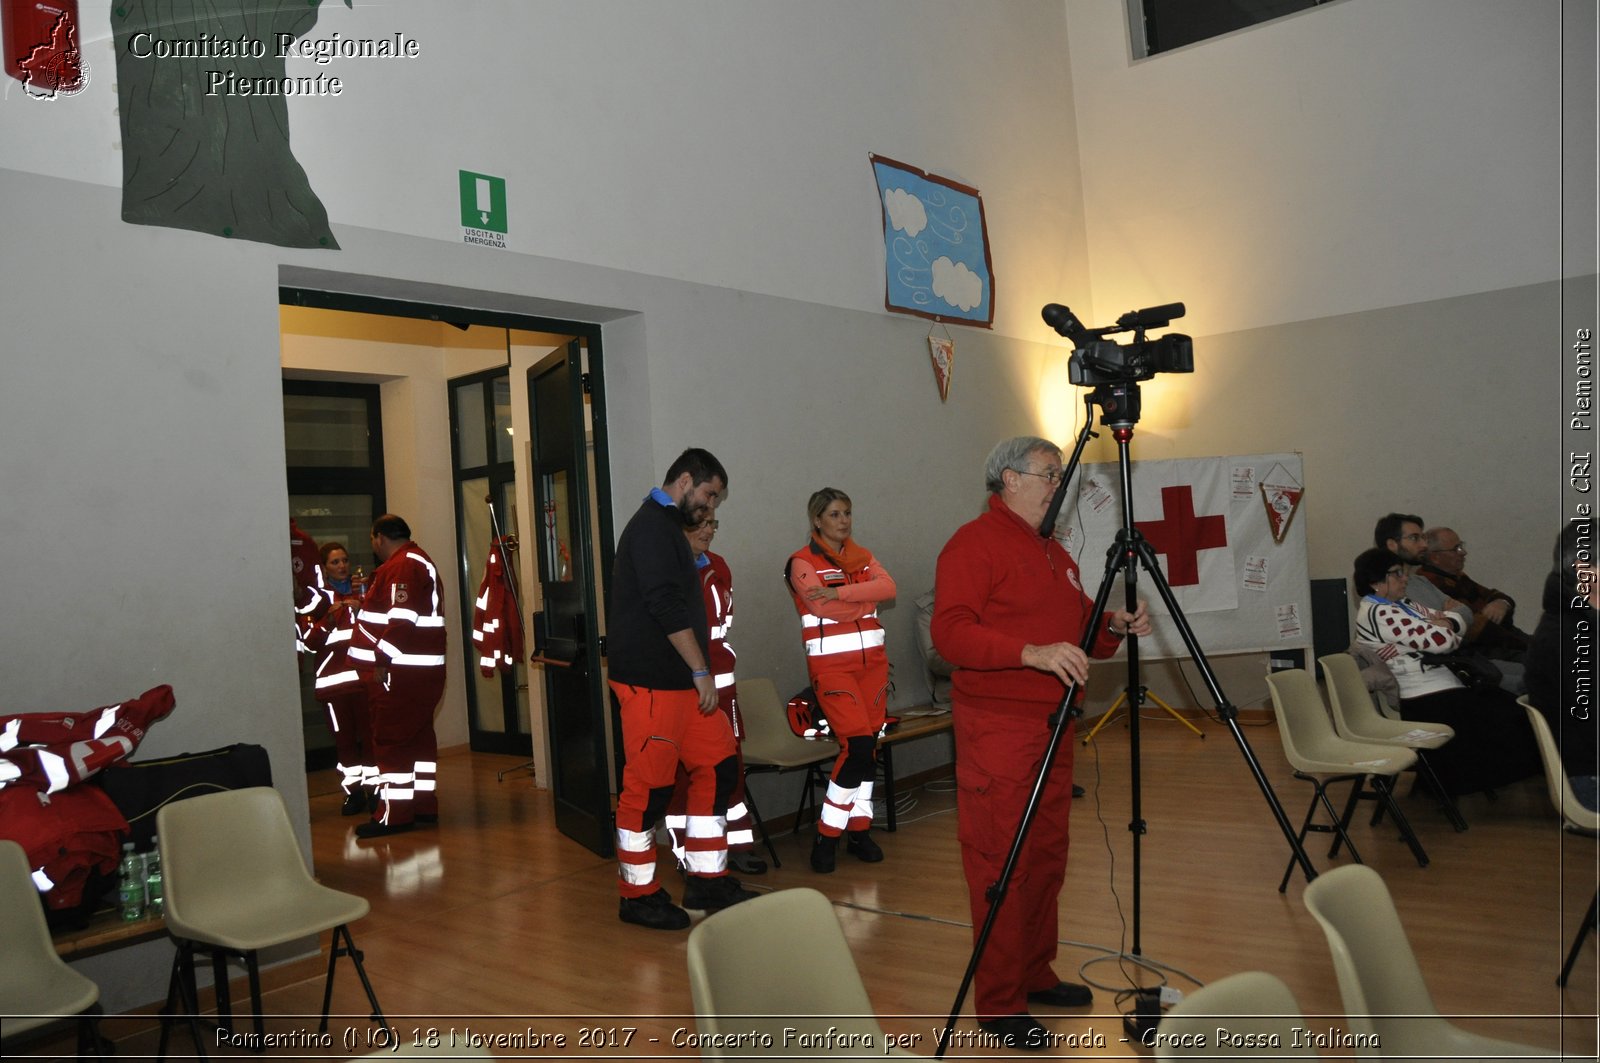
[1491, 631]
[1402, 535]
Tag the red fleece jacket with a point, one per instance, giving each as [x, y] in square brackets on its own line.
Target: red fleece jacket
[1000, 586]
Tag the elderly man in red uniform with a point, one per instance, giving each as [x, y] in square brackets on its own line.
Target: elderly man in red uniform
[1009, 613]
[399, 650]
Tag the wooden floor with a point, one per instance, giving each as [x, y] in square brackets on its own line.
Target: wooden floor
[493, 923]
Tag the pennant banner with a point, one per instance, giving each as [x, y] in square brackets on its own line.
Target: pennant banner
[1237, 567]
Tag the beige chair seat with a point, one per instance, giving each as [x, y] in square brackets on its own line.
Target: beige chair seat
[771, 746]
[1253, 1003]
[780, 962]
[1385, 998]
[36, 985]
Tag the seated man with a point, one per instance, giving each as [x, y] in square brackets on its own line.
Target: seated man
[1401, 534]
[1491, 631]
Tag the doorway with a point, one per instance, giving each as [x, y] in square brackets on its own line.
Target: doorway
[445, 377]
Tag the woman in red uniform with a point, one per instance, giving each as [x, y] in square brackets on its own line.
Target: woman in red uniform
[837, 585]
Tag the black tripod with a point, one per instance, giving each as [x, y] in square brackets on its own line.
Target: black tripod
[1120, 405]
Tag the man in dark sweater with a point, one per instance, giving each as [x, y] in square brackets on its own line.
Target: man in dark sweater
[660, 675]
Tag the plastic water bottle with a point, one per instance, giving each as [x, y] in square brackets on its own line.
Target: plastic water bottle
[130, 888]
[152, 882]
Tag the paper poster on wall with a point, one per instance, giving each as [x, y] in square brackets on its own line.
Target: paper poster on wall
[935, 246]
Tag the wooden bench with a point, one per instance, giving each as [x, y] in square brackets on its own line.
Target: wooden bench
[105, 931]
[909, 729]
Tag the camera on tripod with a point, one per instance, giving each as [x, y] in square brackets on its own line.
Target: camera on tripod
[1097, 361]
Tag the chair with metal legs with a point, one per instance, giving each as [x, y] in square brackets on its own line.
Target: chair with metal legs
[36, 985]
[1322, 758]
[236, 883]
[769, 746]
[1574, 816]
[1357, 718]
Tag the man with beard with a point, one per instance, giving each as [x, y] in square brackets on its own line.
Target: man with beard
[661, 677]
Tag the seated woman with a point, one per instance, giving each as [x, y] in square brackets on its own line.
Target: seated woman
[1564, 640]
[1493, 745]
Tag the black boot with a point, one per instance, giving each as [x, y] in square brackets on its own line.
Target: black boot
[824, 854]
[859, 844]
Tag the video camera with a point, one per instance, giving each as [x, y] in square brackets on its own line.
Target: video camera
[1097, 360]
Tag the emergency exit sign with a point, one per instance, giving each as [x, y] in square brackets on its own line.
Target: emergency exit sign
[483, 209]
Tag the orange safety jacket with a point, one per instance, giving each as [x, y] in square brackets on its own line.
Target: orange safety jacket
[850, 634]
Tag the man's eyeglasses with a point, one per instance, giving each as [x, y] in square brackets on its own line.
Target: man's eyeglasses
[712, 524]
[1050, 476]
[1458, 548]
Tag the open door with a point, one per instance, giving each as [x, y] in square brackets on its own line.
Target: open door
[573, 543]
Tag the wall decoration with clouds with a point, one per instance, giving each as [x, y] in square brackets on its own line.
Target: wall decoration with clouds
[935, 246]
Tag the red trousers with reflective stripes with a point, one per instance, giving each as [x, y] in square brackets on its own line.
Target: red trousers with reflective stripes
[855, 701]
[679, 805]
[660, 730]
[351, 725]
[1000, 759]
[403, 738]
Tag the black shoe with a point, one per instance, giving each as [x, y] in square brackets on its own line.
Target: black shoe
[1063, 995]
[712, 894]
[859, 844]
[655, 911]
[355, 803]
[1077, 791]
[746, 862]
[373, 829]
[1018, 1031]
[824, 853]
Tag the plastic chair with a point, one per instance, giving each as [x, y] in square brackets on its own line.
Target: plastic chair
[36, 985]
[1386, 1002]
[1356, 717]
[1254, 1003]
[774, 964]
[1322, 758]
[1574, 816]
[236, 883]
[770, 746]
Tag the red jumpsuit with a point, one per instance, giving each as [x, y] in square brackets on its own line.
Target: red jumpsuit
[496, 627]
[716, 584]
[848, 666]
[340, 688]
[399, 649]
[1001, 586]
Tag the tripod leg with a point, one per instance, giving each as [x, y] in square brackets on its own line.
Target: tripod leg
[1105, 719]
[1175, 714]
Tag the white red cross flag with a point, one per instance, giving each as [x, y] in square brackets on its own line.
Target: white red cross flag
[1239, 576]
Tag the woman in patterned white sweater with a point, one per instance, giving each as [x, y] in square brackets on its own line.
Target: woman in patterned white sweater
[1493, 745]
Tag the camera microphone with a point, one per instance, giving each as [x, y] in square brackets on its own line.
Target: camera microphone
[1065, 322]
[1149, 317]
